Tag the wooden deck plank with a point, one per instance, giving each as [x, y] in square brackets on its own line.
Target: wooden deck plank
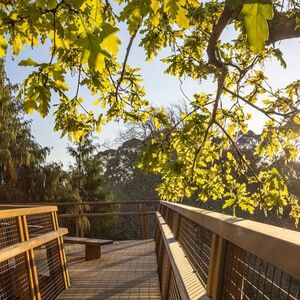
[126, 270]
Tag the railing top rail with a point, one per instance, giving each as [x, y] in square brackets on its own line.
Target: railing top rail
[10, 211]
[88, 203]
[21, 247]
[118, 213]
[279, 246]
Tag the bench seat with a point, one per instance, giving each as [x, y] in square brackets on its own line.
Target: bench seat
[92, 246]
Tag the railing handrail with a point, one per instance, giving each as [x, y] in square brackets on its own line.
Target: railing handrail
[86, 203]
[278, 246]
[21, 247]
[11, 211]
[124, 213]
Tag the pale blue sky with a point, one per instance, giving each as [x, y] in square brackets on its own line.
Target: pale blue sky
[161, 89]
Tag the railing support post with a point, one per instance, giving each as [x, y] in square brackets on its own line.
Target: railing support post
[29, 257]
[22, 237]
[216, 266]
[62, 253]
[141, 210]
[176, 225]
[146, 222]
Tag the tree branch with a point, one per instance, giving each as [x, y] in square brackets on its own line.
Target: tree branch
[268, 113]
[222, 72]
[240, 155]
[282, 27]
[125, 63]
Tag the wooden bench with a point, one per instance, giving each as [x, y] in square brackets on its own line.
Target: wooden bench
[92, 246]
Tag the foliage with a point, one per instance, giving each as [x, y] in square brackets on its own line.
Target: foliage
[83, 39]
[18, 149]
[87, 179]
[87, 171]
[122, 177]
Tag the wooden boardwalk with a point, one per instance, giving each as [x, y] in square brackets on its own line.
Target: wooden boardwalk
[126, 270]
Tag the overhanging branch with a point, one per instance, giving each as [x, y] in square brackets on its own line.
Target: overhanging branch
[282, 27]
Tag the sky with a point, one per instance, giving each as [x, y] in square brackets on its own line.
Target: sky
[161, 88]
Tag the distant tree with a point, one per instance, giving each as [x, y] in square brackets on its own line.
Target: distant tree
[87, 177]
[20, 155]
[87, 171]
[123, 177]
[81, 36]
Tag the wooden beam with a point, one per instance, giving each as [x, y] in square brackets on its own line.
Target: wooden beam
[124, 213]
[30, 275]
[25, 211]
[216, 267]
[62, 253]
[83, 203]
[30, 255]
[141, 221]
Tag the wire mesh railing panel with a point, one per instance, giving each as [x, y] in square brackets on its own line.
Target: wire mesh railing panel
[118, 221]
[14, 281]
[166, 269]
[161, 257]
[113, 227]
[49, 269]
[39, 224]
[174, 293]
[9, 233]
[248, 277]
[196, 243]
[70, 223]
[150, 226]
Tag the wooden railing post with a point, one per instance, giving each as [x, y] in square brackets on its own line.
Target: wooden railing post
[176, 224]
[146, 222]
[29, 256]
[141, 221]
[81, 225]
[79, 228]
[62, 253]
[216, 266]
[29, 269]
[77, 221]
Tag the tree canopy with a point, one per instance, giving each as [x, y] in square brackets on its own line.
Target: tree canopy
[82, 36]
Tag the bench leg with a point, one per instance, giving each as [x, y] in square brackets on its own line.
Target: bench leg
[92, 252]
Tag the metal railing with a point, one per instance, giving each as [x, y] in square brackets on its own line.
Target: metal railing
[32, 256]
[118, 220]
[207, 255]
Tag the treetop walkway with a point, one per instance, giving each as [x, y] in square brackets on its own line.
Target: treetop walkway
[194, 254]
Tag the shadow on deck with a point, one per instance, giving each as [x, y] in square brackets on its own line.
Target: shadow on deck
[126, 270]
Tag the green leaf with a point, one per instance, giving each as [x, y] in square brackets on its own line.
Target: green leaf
[51, 4]
[29, 62]
[92, 52]
[110, 41]
[298, 20]
[30, 106]
[228, 203]
[48, 4]
[3, 46]
[254, 16]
